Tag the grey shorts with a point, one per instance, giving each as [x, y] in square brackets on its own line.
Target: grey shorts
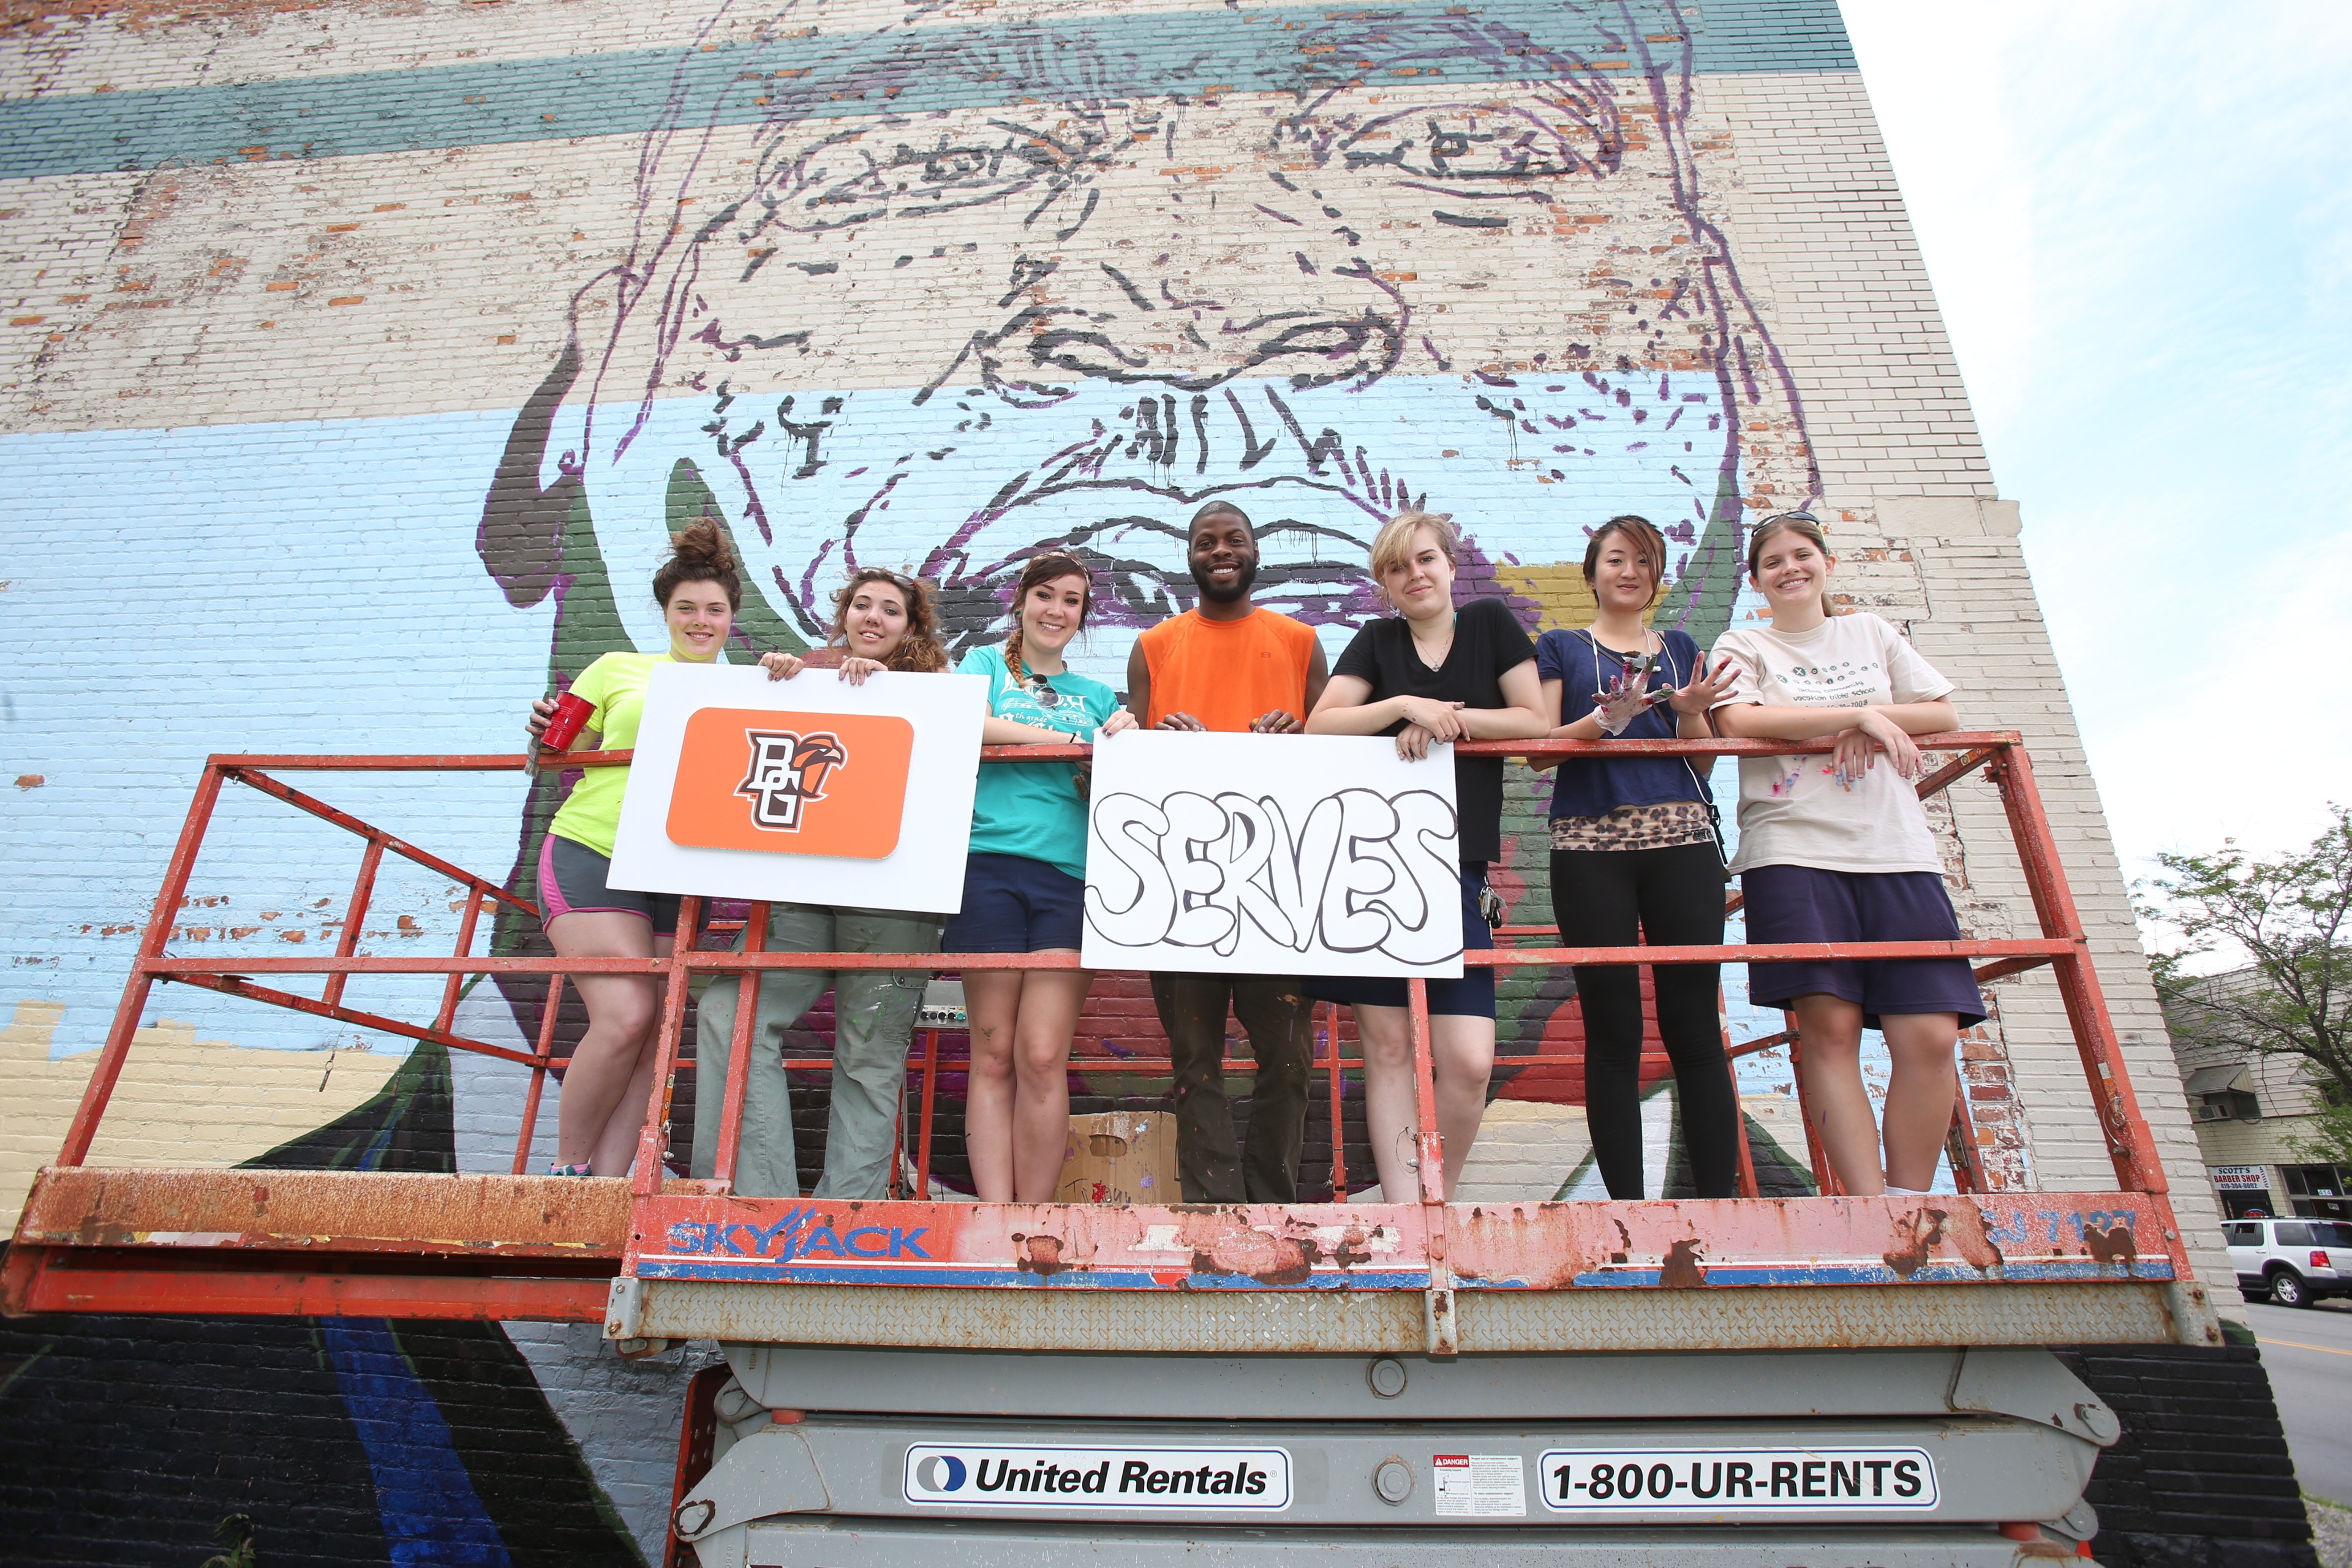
[572, 882]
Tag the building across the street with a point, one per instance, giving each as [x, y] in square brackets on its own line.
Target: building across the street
[2253, 1112]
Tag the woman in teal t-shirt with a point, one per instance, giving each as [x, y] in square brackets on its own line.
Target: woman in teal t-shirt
[1025, 887]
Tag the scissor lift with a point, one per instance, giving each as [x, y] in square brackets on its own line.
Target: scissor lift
[1402, 1359]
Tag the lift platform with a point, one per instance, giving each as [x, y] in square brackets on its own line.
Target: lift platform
[1249, 1294]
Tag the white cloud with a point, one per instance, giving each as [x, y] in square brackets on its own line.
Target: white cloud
[2138, 220]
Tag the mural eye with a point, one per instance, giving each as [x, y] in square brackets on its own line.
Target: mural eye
[905, 181]
[1464, 147]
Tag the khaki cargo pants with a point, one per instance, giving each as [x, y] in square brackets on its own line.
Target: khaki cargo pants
[874, 1017]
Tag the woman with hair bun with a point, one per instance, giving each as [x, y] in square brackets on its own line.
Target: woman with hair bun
[1025, 886]
[601, 1109]
[1431, 673]
[1635, 859]
[1836, 848]
[883, 622]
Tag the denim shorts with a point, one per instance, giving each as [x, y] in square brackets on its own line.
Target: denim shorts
[572, 882]
[1471, 996]
[1803, 904]
[1015, 904]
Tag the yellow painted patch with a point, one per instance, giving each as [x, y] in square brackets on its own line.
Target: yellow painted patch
[1558, 586]
[180, 1101]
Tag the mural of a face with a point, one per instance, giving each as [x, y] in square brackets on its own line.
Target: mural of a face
[1039, 304]
[942, 307]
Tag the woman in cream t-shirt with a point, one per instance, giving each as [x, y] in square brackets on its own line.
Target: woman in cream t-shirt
[1837, 848]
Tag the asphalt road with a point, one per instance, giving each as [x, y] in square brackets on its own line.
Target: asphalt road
[2308, 1352]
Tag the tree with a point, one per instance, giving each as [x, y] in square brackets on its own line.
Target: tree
[2289, 918]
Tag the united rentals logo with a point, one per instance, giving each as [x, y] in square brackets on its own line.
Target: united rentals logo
[788, 771]
[1188, 1479]
[804, 783]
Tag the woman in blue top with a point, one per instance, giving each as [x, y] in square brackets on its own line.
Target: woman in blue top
[1025, 887]
[1634, 858]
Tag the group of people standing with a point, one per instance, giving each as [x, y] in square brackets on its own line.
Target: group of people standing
[1831, 848]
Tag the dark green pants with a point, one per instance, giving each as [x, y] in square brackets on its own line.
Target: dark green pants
[1279, 1019]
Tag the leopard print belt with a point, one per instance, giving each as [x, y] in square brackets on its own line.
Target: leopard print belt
[1664, 824]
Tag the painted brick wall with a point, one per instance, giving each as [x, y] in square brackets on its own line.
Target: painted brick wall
[2201, 1475]
[357, 359]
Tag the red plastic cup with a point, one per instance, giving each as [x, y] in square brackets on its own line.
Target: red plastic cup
[564, 726]
[572, 715]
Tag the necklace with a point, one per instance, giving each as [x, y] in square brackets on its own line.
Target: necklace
[1637, 665]
[1626, 661]
[1431, 664]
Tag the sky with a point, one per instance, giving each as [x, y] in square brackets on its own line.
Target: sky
[2137, 219]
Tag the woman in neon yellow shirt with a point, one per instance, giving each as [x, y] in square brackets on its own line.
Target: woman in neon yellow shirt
[603, 1108]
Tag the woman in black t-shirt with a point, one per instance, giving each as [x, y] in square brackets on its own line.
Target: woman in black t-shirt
[1431, 673]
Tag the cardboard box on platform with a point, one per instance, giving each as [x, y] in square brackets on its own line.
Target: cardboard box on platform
[1120, 1157]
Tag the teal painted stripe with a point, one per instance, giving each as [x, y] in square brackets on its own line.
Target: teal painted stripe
[907, 71]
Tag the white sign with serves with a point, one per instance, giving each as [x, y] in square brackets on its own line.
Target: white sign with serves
[1272, 855]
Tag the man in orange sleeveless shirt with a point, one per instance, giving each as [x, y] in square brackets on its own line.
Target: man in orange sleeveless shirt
[1227, 664]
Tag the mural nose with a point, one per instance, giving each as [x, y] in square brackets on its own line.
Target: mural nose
[1152, 325]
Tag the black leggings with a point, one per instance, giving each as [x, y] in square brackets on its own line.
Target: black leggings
[1670, 898]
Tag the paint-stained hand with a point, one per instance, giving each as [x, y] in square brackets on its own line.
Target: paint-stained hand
[1627, 698]
[1851, 759]
[1184, 721]
[852, 670]
[1858, 748]
[1705, 690]
[1413, 743]
[785, 666]
[1281, 721]
[1442, 720]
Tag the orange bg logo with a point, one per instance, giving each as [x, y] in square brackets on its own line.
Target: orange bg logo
[806, 784]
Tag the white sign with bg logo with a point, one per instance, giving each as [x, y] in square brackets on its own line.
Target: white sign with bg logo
[809, 789]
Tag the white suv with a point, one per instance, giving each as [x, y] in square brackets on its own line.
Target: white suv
[2293, 1262]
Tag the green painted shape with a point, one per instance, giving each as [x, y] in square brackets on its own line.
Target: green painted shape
[587, 626]
[1701, 599]
[1779, 1172]
[758, 627]
[409, 1124]
[587, 613]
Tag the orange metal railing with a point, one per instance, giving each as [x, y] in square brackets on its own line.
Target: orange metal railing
[2062, 946]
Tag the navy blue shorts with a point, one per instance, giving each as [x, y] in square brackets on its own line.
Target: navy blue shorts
[1472, 997]
[1802, 903]
[1015, 904]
